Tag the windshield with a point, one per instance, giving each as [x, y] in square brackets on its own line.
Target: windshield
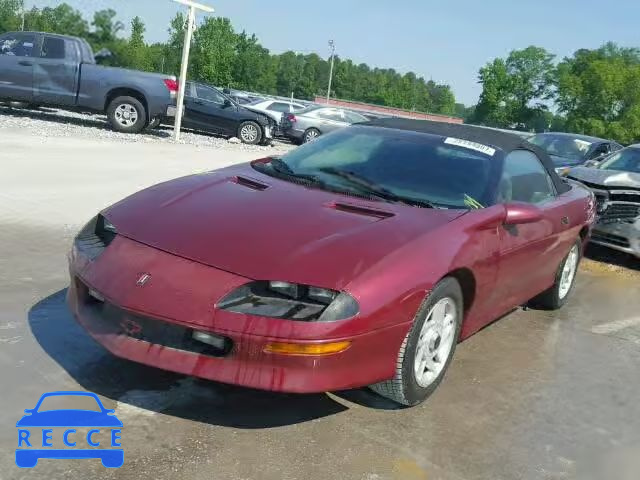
[413, 166]
[562, 145]
[627, 160]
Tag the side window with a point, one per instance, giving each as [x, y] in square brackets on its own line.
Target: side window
[279, 107]
[18, 44]
[600, 150]
[209, 94]
[524, 179]
[331, 114]
[53, 47]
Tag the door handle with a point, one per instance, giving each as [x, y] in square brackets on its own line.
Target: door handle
[565, 220]
[24, 63]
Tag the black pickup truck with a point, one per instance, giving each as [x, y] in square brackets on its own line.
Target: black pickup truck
[57, 70]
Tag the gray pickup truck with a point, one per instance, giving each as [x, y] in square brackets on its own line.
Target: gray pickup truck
[56, 70]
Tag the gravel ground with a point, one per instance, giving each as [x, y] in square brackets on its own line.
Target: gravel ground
[59, 123]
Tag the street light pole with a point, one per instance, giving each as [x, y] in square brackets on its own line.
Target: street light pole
[333, 51]
[191, 19]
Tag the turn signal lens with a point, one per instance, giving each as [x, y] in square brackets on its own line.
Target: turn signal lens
[307, 348]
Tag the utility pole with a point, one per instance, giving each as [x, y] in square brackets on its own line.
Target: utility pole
[22, 27]
[191, 19]
[332, 46]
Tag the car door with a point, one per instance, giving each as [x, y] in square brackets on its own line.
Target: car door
[530, 253]
[17, 51]
[206, 110]
[56, 71]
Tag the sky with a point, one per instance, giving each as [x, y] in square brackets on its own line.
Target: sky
[444, 40]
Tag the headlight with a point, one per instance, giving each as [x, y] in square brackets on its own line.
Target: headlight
[290, 301]
[95, 236]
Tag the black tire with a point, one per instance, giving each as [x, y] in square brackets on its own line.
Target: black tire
[310, 134]
[117, 117]
[552, 299]
[250, 138]
[403, 388]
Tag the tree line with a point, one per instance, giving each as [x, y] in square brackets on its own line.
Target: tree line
[222, 57]
[595, 92]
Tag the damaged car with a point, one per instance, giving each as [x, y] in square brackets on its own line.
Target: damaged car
[359, 259]
[616, 185]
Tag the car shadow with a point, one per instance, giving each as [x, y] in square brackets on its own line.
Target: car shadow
[96, 370]
[53, 115]
[603, 254]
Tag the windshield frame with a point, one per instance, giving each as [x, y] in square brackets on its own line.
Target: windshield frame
[487, 197]
[569, 139]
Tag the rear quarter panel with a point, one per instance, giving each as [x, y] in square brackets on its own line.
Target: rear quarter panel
[97, 81]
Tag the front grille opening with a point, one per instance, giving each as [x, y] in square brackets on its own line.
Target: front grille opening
[115, 320]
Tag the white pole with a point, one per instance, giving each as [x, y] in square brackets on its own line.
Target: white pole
[333, 51]
[183, 73]
[22, 28]
[191, 20]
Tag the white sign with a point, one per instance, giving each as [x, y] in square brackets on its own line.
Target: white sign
[471, 145]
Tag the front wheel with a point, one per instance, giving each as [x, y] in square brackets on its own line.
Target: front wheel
[427, 350]
[555, 297]
[127, 115]
[250, 132]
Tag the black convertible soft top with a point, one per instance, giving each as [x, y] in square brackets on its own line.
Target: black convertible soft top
[502, 140]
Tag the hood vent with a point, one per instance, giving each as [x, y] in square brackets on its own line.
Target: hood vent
[360, 210]
[250, 183]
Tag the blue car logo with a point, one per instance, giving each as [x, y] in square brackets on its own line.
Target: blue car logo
[35, 433]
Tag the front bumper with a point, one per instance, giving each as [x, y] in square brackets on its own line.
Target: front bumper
[181, 302]
[624, 237]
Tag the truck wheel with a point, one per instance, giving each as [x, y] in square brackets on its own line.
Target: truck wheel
[427, 350]
[250, 132]
[127, 115]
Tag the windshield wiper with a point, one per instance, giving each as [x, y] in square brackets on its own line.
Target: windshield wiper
[283, 168]
[370, 187]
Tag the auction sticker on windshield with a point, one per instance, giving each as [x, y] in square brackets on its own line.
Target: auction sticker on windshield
[478, 147]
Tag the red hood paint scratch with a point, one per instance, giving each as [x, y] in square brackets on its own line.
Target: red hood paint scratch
[285, 232]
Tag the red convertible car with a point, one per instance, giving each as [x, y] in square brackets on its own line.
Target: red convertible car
[361, 258]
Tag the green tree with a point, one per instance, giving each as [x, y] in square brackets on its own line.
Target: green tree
[599, 92]
[10, 19]
[105, 28]
[214, 51]
[515, 89]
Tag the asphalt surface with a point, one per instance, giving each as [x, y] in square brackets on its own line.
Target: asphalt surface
[536, 395]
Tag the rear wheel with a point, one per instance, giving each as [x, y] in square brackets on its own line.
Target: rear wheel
[250, 132]
[310, 134]
[127, 115]
[557, 295]
[427, 350]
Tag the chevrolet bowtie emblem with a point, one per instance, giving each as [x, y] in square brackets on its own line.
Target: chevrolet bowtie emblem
[144, 278]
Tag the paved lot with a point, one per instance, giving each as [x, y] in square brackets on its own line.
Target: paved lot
[537, 395]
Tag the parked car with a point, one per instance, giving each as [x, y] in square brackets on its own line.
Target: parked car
[570, 150]
[308, 124]
[274, 108]
[57, 70]
[358, 259]
[209, 110]
[616, 184]
[239, 97]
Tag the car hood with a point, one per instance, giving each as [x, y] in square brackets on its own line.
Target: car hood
[239, 220]
[606, 178]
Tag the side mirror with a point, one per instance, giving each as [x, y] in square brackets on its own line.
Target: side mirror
[227, 103]
[518, 213]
